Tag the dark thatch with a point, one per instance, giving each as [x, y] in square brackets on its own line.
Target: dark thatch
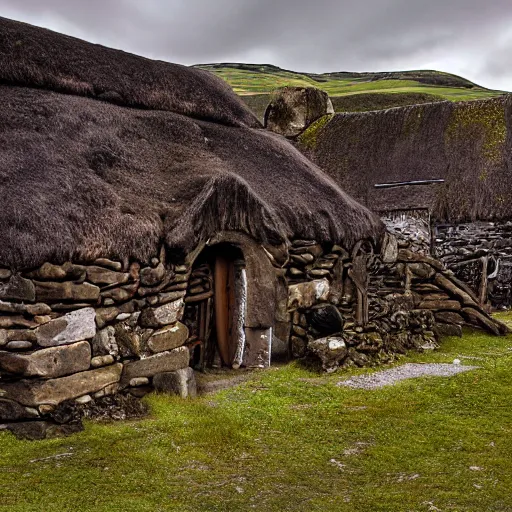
[81, 178]
[467, 144]
[35, 57]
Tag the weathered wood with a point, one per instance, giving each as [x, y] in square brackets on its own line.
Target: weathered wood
[474, 317]
[407, 256]
[221, 299]
[452, 289]
[483, 282]
[440, 305]
[199, 298]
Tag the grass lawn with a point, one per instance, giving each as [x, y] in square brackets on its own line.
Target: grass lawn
[290, 439]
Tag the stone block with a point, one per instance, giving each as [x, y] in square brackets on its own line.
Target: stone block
[30, 309]
[13, 411]
[159, 363]
[50, 362]
[18, 288]
[152, 276]
[331, 351]
[306, 295]
[181, 383]
[8, 322]
[33, 393]
[168, 338]
[104, 343]
[105, 277]
[50, 272]
[163, 315]
[113, 265]
[74, 326]
[54, 292]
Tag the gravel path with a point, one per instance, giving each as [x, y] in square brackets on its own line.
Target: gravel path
[406, 371]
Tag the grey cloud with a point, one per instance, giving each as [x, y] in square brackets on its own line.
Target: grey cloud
[325, 35]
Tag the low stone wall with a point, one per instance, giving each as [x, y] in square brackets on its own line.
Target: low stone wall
[323, 302]
[480, 254]
[79, 333]
[410, 303]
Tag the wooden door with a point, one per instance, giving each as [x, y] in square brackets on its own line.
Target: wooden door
[224, 302]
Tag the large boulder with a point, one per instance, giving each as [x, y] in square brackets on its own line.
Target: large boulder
[293, 109]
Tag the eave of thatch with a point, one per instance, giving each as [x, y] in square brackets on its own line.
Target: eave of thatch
[83, 178]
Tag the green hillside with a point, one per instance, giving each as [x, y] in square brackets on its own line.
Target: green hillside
[350, 91]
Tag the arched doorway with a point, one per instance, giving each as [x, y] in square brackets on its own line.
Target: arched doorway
[216, 305]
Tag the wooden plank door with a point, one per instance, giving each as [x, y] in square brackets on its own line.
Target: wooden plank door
[224, 302]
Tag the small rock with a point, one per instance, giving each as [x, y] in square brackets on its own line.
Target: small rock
[83, 399]
[104, 343]
[139, 381]
[99, 361]
[5, 274]
[19, 345]
[123, 316]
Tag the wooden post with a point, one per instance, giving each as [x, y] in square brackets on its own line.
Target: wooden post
[483, 281]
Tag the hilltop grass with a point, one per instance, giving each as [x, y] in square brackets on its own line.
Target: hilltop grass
[290, 439]
[246, 82]
[348, 93]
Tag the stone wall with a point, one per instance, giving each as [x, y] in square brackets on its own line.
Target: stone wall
[411, 227]
[324, 301]
[407, 300]
[80, 332]
[480, 254]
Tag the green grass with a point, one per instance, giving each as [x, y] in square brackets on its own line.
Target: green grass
[290, 439]
[261, 81]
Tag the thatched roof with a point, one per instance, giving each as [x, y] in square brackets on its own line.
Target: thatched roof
[468, 144]
[35, 57]
[83, 178]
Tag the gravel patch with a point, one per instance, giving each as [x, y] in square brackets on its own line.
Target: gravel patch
[406, 371]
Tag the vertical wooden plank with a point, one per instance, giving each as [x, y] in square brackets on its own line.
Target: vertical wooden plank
[483, 281]
[221, 300]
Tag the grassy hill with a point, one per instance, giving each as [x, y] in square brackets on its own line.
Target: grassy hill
[351, 92]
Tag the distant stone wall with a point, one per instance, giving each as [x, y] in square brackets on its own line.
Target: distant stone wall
[411, 227]
[78, 333]
[480, 254]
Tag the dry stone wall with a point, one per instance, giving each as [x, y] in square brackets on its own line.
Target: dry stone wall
[480, 254]
[323, 304]
[77, 333]
[411, 300]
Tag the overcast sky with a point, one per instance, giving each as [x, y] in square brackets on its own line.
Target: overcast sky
[472, 38]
